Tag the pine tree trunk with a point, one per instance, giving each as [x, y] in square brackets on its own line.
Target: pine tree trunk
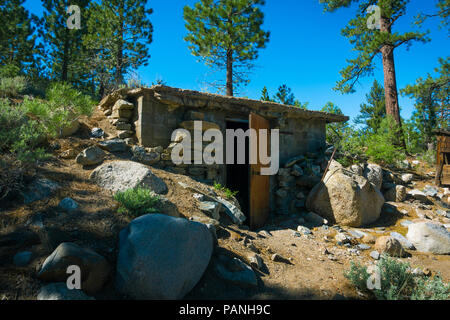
[390, 82]
[230, 72]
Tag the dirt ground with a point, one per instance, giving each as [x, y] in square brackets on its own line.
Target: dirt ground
[305, 271]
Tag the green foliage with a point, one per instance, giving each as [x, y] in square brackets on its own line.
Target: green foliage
[136, 202]
[17, 35]
[226, 35]
[397, 282]
[432, 96]
[64, 104]
[20, 135]
[12, 87]
[366, 42]
[428, 157]
[335, 131]
[285, 96]
[380, 145]
[118, 35]
[228, 193]
[374, 111]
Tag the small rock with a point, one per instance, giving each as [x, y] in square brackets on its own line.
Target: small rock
[198, 196]
[418, 195]
[343, 238]
[264, 234]
[256, 261]
[390, 246]
[59, 291]
[369, 239]
[375, 255]
[303, 230]
[407, 177]
[22, 259]
[236, 272]
[97, 132]
[211, 208]
[276, 257]
[405, 242]
[68, 204]
[90, 156]
[114, 145]
[357, 234]
[363, 247]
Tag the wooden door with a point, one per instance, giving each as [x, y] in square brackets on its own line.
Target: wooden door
[259, 185]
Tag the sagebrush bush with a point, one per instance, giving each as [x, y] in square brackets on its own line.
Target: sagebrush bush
[12, 87]
[398, 282]
[136, 202]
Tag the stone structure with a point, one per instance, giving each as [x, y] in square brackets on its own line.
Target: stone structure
[159, 110]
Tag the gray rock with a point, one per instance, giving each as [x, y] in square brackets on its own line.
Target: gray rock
[429, 237]
[374, 174]
[395, 194]
[236, 272]
[94, 268]
[303, 230]
[342, 238]
[211, 208]
[346, 198]
[375, 255]
[314, 218]
[297, 170]
[256, 261]
[162, 257]
[407, 177]
[90, 156]
[68, 204]
[232, 211]
[430, 191]
[97, 133]
[363, 246]
[59, 291]
[114, 145]
[443, 213]
[123, 175]
[357, 234]
[39, 189]
[418, 195]
[22, 259]
[405, 242]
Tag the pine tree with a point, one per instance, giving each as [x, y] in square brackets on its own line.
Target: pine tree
[432, 96]
[374, 111]
[17, 36]
[284, 95]
[265, 94]
[226, 34]
[370, 42]
[335, 131]
[64, 47]
[119, 35]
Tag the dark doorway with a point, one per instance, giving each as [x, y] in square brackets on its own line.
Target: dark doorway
[238, 175]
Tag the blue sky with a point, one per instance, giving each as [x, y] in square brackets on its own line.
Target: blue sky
[306, 51]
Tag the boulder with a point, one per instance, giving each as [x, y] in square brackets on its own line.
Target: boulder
[211, 208]
[114, 145]
[374, 174]
[396, 194]
[39, 189]
[418, 195]
[59, 291]
[162, 257]
[94, 268]
[70, 129]
[390, 246]
[123, 175]
[90, 156]
[429, 237]
[346, 199]
[405, 242]
[235, 271]
[22, 259]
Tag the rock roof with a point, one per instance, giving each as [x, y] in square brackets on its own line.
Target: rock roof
[175, 97]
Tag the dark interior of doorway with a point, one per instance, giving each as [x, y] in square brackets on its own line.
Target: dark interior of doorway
[238, 175]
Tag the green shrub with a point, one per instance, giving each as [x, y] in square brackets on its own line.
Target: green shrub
[20, 135]
[397, 282]
[12, 87]
[381, 146]
[136, 202]
[429, 157]
[63, 105]
[228, 193]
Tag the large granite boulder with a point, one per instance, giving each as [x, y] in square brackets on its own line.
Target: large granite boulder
[346, 198]
[429, 237]
[123, 175]
[162, 257]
